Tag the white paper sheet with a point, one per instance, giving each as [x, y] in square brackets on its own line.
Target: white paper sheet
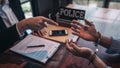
[41, 54]
[72, 37]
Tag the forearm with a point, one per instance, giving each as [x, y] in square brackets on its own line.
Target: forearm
[105, 41]
[98, 63]
[21, 27]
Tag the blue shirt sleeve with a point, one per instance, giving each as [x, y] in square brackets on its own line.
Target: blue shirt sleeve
[115, 46]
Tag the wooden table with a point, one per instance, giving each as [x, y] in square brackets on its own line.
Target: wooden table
[64, 59]
[61, 59]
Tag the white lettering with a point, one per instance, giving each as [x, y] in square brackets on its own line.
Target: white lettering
[61, 11]
[72, 13]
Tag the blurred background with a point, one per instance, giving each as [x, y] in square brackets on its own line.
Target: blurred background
[27, 5]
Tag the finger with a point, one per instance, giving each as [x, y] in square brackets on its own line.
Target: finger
[75, 26]
[42, 26]
[43, 31]
[39, 33]
[68, 46]
[76, 47]
[76, 22]
[75, 30]
[86, 27]
[71, 40]
[88, 23]
[74, 51]
[49, 21]
[35, 28]
[76, 33]
[34, 33]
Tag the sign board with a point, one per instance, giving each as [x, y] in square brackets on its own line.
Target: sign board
[70, 14]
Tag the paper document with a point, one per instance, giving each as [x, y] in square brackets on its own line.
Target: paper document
[41, 54]
[73, 37]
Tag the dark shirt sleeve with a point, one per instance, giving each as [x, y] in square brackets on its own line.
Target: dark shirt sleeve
[115, 46]
[8, 37]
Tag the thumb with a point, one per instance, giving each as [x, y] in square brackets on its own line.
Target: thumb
[75, 47]
[88, 22]
[50, 21]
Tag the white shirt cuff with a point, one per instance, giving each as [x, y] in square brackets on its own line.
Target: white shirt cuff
[21, 35]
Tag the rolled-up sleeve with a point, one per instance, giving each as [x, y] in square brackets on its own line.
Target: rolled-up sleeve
[115, 46]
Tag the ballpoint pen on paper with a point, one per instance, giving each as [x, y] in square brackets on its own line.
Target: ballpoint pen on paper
[35, 46]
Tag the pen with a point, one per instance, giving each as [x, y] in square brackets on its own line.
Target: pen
[35, 46]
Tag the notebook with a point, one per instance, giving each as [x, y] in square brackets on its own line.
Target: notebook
[40, 54]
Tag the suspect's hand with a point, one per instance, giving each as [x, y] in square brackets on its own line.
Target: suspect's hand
[87, 32]
[78, 51]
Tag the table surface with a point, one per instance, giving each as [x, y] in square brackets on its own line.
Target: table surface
[60, 39]
[107, 25]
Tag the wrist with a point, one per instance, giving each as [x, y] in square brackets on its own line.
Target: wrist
[98, 63]
[92, 57]
[21, 27]
[97, 36]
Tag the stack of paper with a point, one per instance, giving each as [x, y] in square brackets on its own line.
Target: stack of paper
[41, 54]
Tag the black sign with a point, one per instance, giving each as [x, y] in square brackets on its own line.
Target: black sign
[70, 14]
